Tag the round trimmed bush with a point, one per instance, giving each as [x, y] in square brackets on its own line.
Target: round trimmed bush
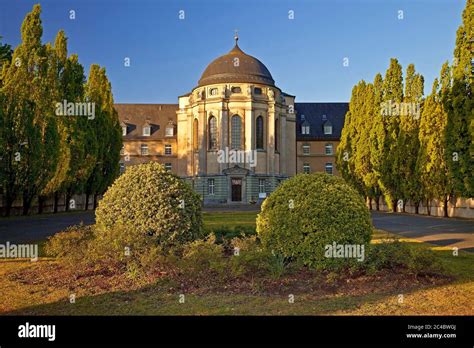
[154, 203]
[310, 211]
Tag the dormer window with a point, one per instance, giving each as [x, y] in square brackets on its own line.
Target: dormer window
[169, 130]
[304, 126]
[305, 129]
[146, 131]
[213, 91]
[236, 90]
[124, 130]
[257, 90]
[327, 128]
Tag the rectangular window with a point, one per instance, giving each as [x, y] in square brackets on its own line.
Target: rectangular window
[124, 130]
[306, 168]
[168, 149]
[305, 130]
[328, 148]
[144, 150]
[146, 131]
[210, 186]
[328, 130]
[168, 166]
[328, 168]
[306, 148]
[122, 168]
[261, 186]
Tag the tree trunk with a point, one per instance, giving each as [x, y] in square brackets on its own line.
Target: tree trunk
[403, 206]
[445, 208]
[8, 205]
[417, 207]
[56, 202]
[41, 200]
[26, 203]
[377, 203]
[95, 200]
[86, 205]
[370, 203]
[394, 205]
[428, 208]
[68, 197]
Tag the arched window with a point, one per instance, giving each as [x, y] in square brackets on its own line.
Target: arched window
[212, 133]
[236, 132]
[196, 135]
[259, 131]
[277, 134]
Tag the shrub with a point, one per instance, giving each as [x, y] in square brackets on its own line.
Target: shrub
[203, 257]
[395, 255]
[308, 212]
[226, 233]
[154, 204]
[124, 246]
[250, 259]
[71, 245]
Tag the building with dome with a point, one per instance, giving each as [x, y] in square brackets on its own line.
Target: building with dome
[236, 135]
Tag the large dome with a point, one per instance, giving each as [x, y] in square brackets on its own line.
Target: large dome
[225, 69]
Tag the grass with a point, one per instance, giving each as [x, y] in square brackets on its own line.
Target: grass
[38, 297]
[229, 219]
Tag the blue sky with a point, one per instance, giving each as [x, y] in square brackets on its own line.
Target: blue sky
[305, 55]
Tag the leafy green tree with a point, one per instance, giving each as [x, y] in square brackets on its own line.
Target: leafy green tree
[408, 142]
[377, 141]
[361, 145]
[391, 173]
[459, 105]
[105, 127]
[75, 164]
[29, 87]
[344, 151]
[431, 161]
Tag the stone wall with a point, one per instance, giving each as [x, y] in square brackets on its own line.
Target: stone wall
[76, 202]
[461, 207]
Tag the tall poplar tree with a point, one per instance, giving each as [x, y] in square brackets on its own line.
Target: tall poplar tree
[106, 129]
[459, 105]
[363, 125]
[29, 88]
[377, 140]
[75, 162]
[391, 173]
[345, 160]
[408, 142]
[431, 160]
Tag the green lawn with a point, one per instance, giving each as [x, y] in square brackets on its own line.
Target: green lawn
[229, 219]
[37, 296]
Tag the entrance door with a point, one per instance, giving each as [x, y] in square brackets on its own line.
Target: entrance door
[236, 190]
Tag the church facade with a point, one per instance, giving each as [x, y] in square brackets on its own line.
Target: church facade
[236, 135]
